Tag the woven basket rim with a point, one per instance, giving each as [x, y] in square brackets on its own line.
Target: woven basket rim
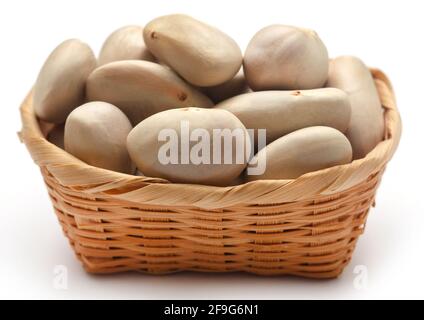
[74, 173]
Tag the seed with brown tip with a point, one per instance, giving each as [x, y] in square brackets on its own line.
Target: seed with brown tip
[182, 96]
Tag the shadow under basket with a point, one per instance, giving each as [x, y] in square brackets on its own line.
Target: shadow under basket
[306, 227]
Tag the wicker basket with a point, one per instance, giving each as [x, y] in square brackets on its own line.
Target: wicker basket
[306, 227]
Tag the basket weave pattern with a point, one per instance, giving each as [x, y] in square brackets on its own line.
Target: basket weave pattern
[306, 227]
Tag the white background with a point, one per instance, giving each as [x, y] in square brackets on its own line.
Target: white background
[385, 34]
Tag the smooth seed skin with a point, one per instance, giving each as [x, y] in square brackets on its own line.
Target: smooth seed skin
[45, 127]
[141, 89]
[282, 112]
[285, 58]
[126, 43]
[366, 127]
[60, 86]
[57, 136]
[305, 150]
[144, 147]
[201, 54]
[231, 88]
[96, 133]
